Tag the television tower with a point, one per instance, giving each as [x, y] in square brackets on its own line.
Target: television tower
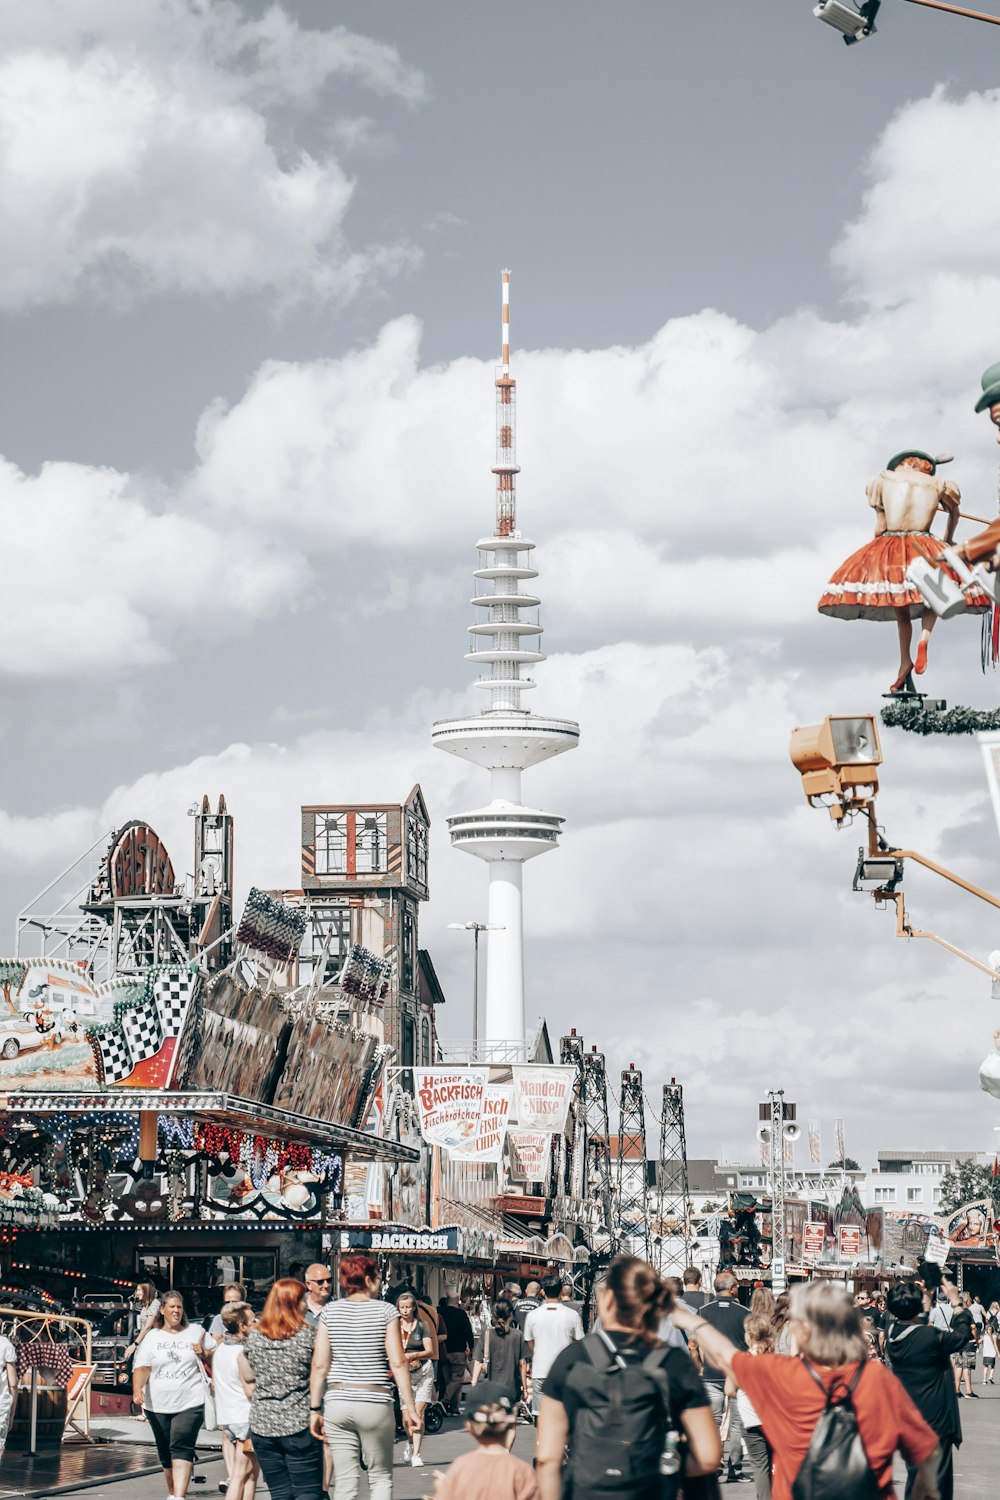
[504, 738]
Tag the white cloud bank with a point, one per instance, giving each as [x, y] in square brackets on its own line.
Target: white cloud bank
[697, 919]
[137, 153]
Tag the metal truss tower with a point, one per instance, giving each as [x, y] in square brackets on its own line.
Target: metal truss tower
[597, 1152]
[572, 1166]
[632, 1226]
[673, 1198]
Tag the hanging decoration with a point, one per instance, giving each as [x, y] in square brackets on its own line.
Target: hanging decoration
[914, 717]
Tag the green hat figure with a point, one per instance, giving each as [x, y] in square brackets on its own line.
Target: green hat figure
[990, 398]
[938, 458]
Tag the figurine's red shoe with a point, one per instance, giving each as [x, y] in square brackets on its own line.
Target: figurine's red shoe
[903, 684]
[920, 665]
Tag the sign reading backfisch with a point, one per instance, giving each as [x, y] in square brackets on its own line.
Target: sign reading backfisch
[542, 1096]
[399, 1239]
[450, 1104]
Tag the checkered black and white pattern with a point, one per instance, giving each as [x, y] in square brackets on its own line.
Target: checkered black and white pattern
[142, 1030]
[172, 991]
[113, 1053]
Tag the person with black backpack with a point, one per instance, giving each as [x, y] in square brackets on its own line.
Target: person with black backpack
[833, 1417]
[920, 1356]
[631, 1410]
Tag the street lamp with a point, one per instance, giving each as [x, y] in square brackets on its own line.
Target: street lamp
[475, 928]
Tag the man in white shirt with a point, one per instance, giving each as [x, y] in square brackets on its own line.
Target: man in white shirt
[319, 1290]
[548, 1330]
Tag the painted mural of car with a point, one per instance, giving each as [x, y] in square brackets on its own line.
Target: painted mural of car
[17, 1037]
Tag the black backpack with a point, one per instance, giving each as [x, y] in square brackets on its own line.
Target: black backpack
[836, 1466]
[622, 1419]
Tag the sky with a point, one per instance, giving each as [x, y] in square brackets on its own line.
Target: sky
[249, 292]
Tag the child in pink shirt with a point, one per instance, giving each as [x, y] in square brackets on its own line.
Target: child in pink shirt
[490, 1471]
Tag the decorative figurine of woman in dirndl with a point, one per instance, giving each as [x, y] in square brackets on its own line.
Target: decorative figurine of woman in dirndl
[872, 583]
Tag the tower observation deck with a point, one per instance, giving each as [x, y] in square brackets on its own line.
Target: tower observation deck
[504, 738]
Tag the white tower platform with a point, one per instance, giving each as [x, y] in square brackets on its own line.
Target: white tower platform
[504, 738]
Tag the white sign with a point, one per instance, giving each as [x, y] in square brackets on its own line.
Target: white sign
[937, 1248]
[450, 1104]
[529, 1154]
[492, 1132]
[542, 1096]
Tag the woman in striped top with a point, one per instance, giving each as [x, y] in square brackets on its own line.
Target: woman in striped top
[357, 1341]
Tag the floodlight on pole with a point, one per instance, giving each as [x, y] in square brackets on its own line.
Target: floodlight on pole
[837, 760]
[475, 928]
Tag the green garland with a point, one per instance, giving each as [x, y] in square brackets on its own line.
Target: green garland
[919, 720]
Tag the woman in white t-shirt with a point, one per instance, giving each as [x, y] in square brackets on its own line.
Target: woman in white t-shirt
[168, 1381]
[8, 1387]
[232, 1404]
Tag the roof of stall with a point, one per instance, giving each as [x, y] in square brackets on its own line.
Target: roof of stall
[222, 1109]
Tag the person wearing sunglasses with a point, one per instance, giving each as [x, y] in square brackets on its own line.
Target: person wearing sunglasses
[319, 1289]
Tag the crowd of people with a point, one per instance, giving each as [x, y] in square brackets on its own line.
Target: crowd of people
[673, 1391]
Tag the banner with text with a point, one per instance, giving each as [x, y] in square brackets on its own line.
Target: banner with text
[542, 1096]
[529, 1155]
[492, 1132]
[849, 1241]
[450, 1104]
[813, 1241]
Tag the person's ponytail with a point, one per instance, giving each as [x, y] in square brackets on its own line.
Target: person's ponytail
[642, 1297]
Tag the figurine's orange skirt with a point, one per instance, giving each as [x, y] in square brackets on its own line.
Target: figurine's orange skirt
[872, 584]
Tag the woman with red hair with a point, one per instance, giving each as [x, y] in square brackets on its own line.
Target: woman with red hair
[275, 1370]
[357, 1341]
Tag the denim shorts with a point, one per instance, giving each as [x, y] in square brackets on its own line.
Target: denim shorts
[236, 1432]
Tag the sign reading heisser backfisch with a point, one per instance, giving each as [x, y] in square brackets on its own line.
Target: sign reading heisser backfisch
[399, 1239]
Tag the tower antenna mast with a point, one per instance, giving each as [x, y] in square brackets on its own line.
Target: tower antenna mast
[506, 467]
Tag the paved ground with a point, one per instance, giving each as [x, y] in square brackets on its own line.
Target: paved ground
[125, 1470]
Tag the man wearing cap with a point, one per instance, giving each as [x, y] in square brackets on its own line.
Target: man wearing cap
[872, 583]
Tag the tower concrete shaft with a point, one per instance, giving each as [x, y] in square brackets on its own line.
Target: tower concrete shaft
[504, 738]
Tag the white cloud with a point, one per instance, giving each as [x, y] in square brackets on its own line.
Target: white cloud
[697, 919]
[932, 211]
[137, 154]
[98, 581]
[690, 497]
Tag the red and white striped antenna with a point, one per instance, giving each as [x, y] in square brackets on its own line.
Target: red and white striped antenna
[506, 466]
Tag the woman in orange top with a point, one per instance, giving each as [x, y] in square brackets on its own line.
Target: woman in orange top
[826, 1336]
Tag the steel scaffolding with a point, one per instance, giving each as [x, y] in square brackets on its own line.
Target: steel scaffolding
[632, 1219]
[673, 1234]
[597, 1156]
